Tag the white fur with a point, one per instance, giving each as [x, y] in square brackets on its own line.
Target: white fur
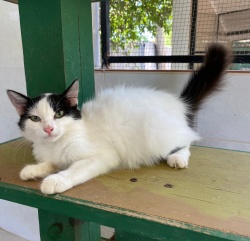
[120, 128]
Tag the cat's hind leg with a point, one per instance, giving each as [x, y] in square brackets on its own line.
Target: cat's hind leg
[37, 171]
[179, 159]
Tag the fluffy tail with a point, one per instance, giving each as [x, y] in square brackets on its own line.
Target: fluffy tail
[206, 80]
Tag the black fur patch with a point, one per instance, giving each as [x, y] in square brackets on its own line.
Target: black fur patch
[176, 149]
[31, 104]
[59, 102]
[206, 80]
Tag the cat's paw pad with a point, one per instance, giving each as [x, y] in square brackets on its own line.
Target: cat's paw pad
[29, 172]
[177, 161]
[55, 183]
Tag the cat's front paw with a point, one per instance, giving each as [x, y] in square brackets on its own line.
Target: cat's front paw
[36, 171]
[55, 183]
[30, 172]
[177, 161]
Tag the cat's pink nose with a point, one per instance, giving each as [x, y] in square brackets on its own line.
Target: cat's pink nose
[48, 129]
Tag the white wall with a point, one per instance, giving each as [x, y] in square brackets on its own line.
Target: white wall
[11, 67]
[224, 122]
[20, 220]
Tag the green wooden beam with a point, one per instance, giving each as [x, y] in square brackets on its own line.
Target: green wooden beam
[86, 49]
[102, 214]
[57, 45]
[87, 231]
[55, 227]
[178, 236]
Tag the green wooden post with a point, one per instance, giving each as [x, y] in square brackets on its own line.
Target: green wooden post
[125, 236]
[86, 49]
[57, 49]
[87, 231]
[54, 227]
[57, 45]
[170, 235]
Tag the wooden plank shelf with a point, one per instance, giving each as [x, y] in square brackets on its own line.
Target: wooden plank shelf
[208, 200]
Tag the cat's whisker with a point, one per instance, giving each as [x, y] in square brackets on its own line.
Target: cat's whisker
[19, 147]
[14, 145]
[26, 146]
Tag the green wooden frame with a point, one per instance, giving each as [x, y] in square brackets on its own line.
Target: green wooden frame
[129, 226]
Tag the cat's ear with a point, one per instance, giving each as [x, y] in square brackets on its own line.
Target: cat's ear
[19, 101]
[71, 93]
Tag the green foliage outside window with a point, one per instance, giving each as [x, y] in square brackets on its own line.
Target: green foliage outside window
[131, 20]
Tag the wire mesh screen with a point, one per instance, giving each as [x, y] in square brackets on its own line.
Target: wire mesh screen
[154, 28]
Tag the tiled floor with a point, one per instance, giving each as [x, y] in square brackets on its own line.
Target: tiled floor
[6, 236]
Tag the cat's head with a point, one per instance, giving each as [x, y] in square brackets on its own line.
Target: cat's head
[48, 116]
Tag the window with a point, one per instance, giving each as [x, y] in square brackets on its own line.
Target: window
[167, 34]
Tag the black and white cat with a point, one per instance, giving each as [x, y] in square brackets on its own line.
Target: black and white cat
[123, 127]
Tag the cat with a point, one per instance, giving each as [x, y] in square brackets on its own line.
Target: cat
[122, 127]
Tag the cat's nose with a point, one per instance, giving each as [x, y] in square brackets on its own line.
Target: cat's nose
[48, 129]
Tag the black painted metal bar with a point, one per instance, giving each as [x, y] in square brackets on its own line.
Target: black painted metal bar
[156, 59]
[240, 58]
[192, 43]
[235, 53]
[105, 33]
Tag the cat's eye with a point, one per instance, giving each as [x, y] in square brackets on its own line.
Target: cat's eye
[59, 114]
[35, 118]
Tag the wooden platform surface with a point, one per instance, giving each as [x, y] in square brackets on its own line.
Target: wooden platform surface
[213, 193]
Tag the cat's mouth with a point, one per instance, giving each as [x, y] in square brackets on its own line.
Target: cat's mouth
[51, 137]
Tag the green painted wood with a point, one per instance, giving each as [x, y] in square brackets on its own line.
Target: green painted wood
[179, 236]
[131, 222]
[54, 45]
[86, 50]
[87, 231]
[125, 236]
[55, 227]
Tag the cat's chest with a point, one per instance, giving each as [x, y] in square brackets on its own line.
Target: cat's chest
[60, 154]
